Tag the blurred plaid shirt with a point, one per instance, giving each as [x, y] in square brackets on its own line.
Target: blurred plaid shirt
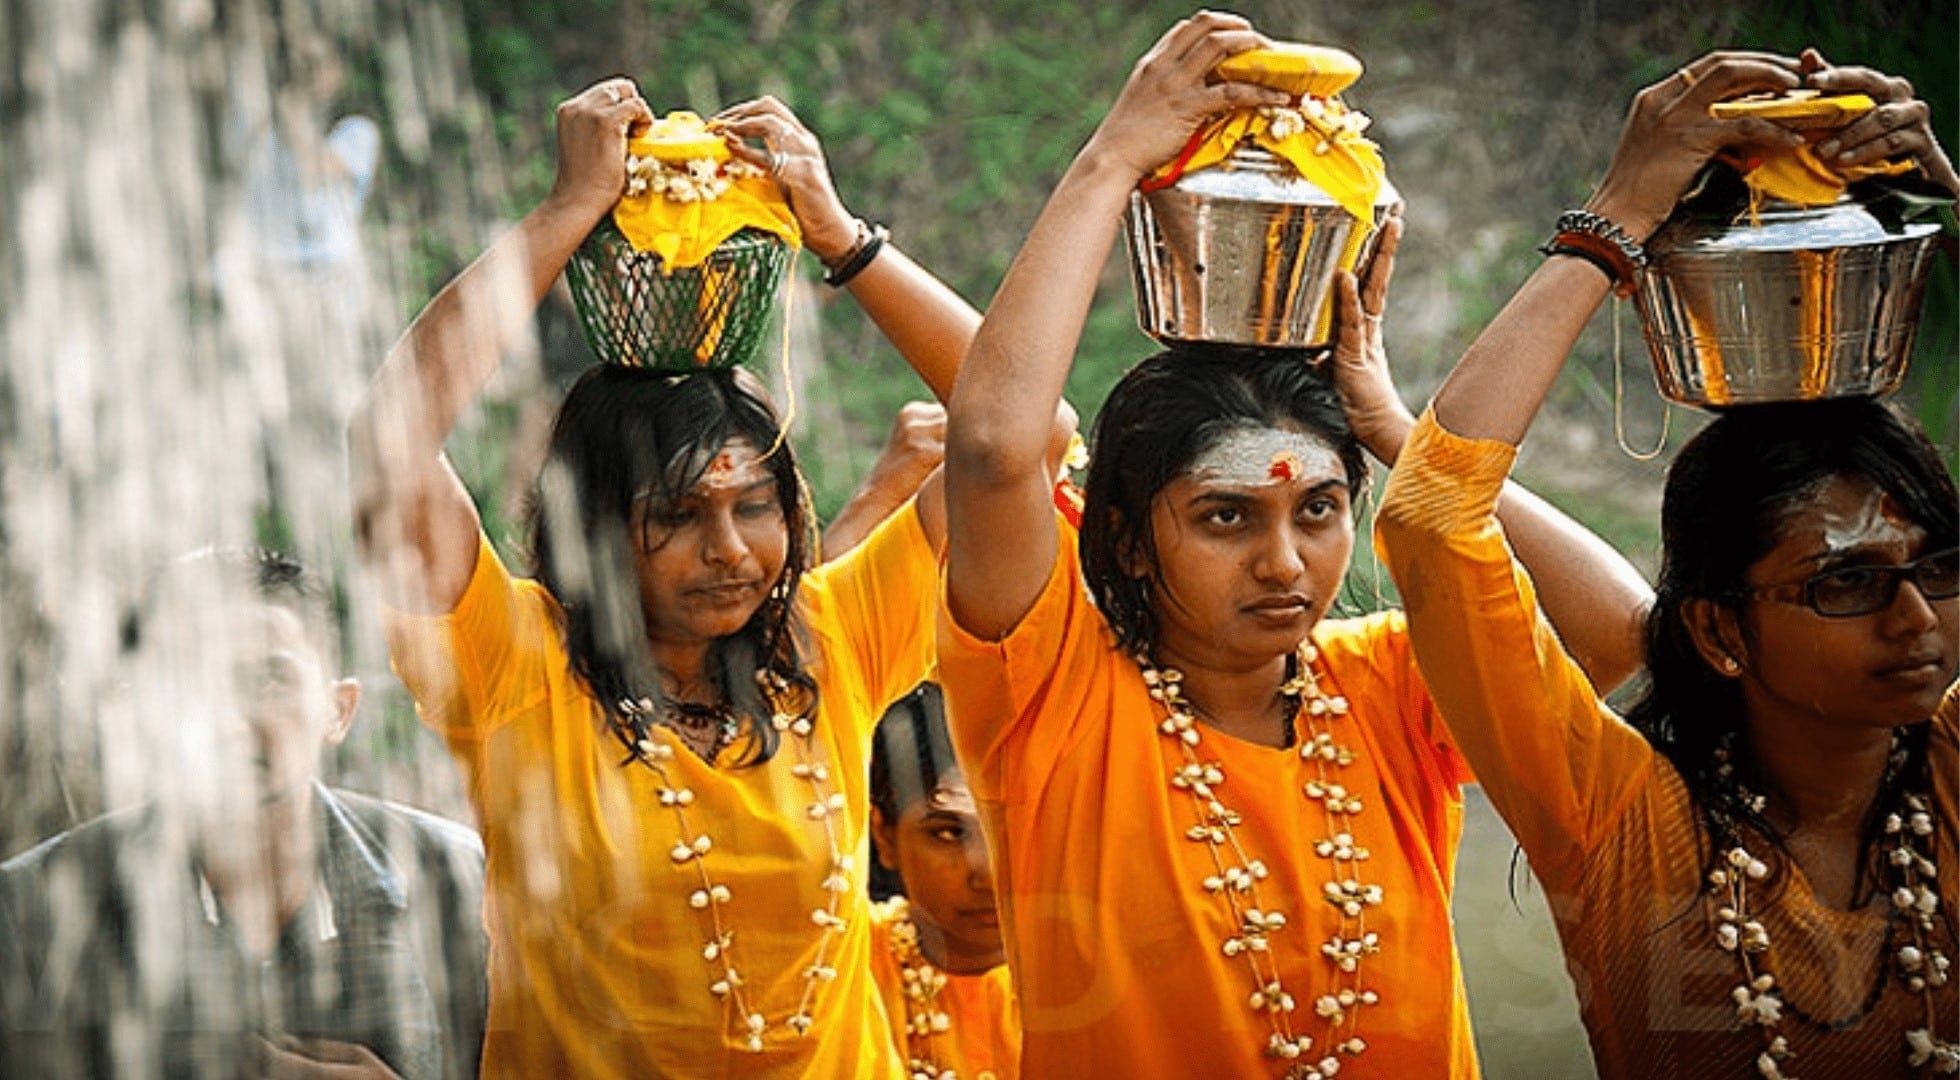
[116, 961]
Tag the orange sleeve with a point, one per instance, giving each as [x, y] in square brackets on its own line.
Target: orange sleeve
[1016, 705]
[472, 668]
[873, 608]
[1556, 763]
[1390, 648]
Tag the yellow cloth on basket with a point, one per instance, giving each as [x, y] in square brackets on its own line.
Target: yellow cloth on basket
[1329, 151]
[1796, 175]
[683, 234]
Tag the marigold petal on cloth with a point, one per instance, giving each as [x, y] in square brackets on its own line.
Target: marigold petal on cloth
[683, 234]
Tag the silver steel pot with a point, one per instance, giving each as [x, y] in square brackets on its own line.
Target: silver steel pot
[1798, 304]
[1243, 253]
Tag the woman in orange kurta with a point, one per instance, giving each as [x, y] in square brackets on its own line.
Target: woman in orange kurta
[665, 736]
[1753, 875]
[1223, 827]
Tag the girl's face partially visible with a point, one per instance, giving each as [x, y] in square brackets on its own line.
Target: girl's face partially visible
[707, 561]
[1252, 542]
[1883, 668]
[936, 848]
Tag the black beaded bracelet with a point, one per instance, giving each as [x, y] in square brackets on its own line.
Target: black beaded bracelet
[1585, 221]
[1605, 265]
[859, 258]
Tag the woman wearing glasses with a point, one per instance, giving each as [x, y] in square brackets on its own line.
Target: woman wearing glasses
[1754, 872]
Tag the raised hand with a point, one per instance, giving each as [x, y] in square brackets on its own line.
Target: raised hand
[1900, 127]
[765, 133]
[593, 127]
[1171, 91]
[1360, 362]
[1669, 134]
[915, 447]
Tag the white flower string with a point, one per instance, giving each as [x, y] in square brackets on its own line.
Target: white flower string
[696, 180]
[1238, 875]
[1328, 118]
[922, 983]
[1920, 964]
[712, 899]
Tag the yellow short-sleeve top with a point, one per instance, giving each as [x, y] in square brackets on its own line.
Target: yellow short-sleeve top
[597, 965]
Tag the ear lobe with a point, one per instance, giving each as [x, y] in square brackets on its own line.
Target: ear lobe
[1717, 637]
[1134, 557]
[346, 702]
[1128, 559]
[884, 840]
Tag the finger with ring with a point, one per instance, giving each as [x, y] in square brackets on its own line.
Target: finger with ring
[1372, 316]
[1687, 78]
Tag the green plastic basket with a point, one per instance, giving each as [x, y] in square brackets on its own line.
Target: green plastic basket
[714, 315]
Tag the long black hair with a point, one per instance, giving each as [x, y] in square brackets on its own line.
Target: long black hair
[911, 751]
[626, 434]
[1728, 497]
[1158, 419]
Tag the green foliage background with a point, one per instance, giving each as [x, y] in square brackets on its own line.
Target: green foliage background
[951, 123]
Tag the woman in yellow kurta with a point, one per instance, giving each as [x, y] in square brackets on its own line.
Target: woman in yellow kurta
[1753, 874]
[665, 736]
[1223, 827]
[935, 951]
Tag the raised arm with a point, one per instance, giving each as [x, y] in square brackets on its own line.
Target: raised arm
[929, 323]
[913, 450]
[1591, 594]
[1499, 384]
[1001, 539]
[414, 522]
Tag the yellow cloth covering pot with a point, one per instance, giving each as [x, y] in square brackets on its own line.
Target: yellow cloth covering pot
[1796, 175]
[1319, 136]
[1238, 240]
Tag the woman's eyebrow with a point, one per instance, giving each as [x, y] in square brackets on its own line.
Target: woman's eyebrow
[741, 487]
[1242, 493]
[1856, 553]
[1232, 497]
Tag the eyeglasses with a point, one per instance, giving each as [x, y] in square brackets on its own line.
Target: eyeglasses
[1861, 590]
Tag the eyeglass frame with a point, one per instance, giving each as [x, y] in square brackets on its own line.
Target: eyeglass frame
[1804, 593]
